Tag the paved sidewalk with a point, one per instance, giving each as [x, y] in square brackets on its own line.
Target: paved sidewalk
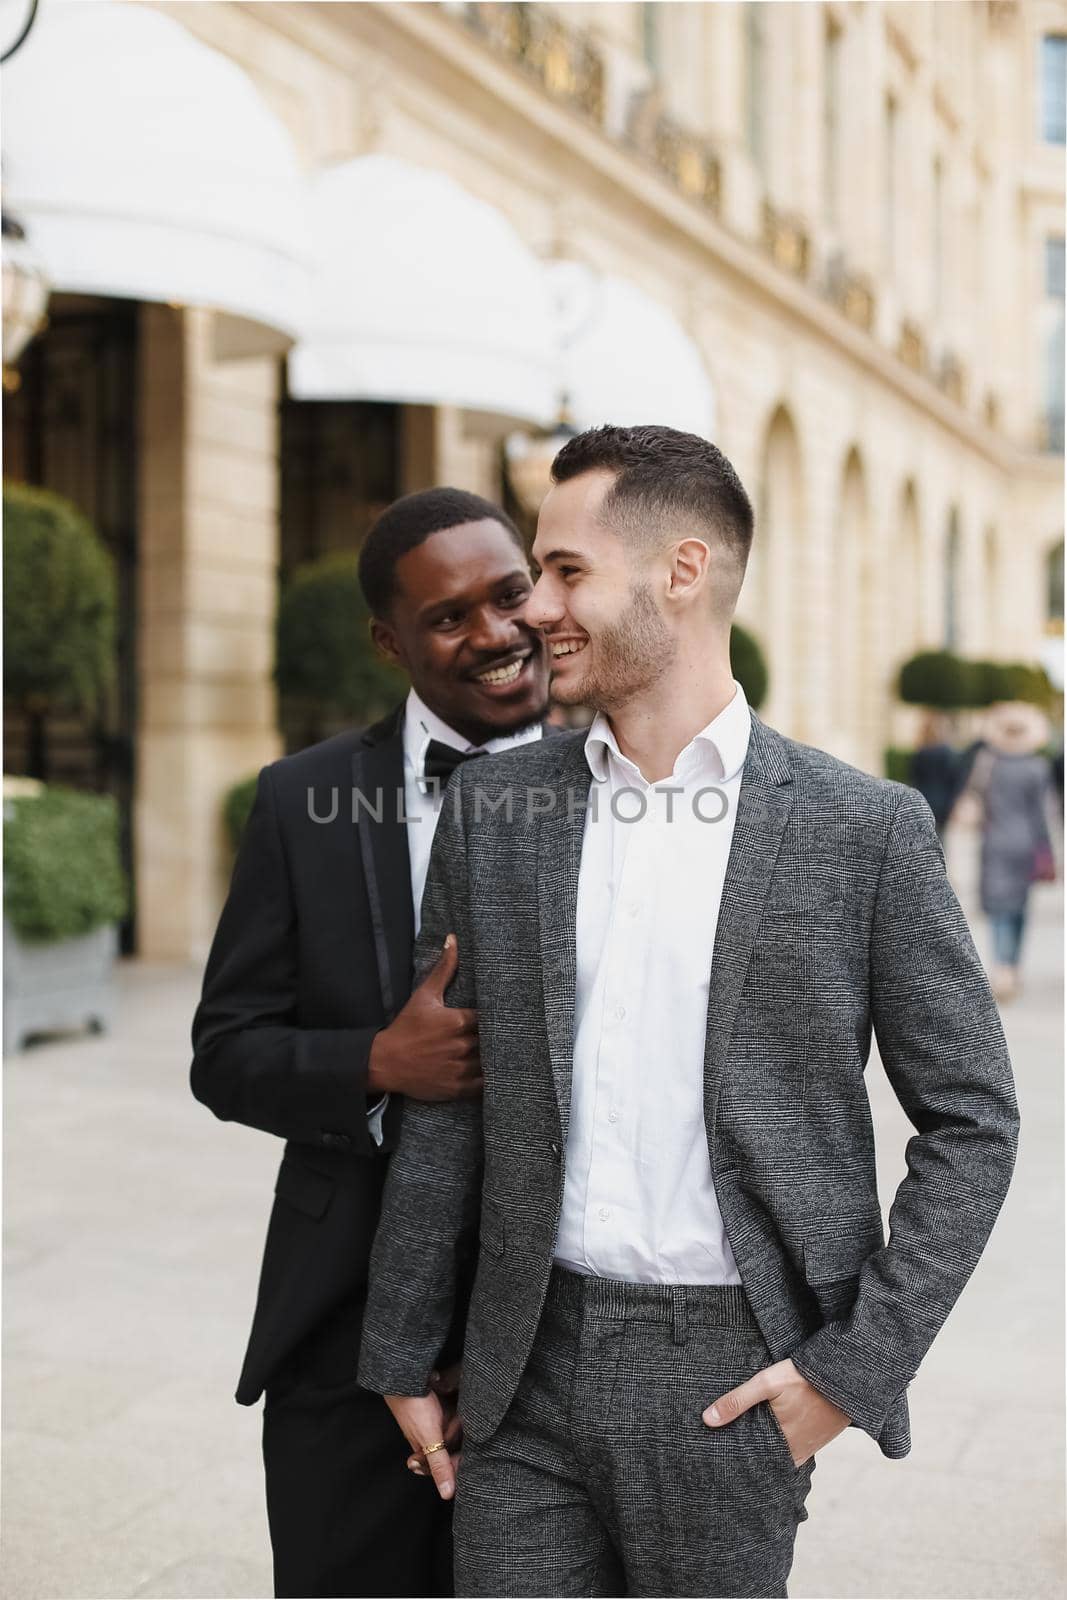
[134, 1224]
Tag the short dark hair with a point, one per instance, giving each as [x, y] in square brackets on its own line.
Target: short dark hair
[406, 524]
[662, 473]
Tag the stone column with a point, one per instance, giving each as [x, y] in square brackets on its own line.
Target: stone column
[208, 551]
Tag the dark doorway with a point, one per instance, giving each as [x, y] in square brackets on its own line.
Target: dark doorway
[71, 427]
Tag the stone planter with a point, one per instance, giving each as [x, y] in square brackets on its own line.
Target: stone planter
[51, 988]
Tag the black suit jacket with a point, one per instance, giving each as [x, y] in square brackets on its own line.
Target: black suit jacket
[311, 958]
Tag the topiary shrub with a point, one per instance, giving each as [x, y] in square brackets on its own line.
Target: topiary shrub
[948, 682]
[59, 612]
[63, 872]
[236, 807]
[325, 660]
[942, 680]
[897, 761]
[748, 665]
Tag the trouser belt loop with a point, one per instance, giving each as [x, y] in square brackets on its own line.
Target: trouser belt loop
[681, 1321]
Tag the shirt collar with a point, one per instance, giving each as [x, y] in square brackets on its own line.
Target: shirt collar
[727, 735]
[421, 725]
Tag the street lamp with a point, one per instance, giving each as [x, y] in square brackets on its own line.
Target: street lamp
[25, 295]
[528, 459]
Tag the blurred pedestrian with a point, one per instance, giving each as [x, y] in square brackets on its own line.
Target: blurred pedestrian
[935, 768]
[1011, 779]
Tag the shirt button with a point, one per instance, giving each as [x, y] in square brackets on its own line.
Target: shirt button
[613, 1116]
[620, 1012]
[633, 908]
[604, 1213]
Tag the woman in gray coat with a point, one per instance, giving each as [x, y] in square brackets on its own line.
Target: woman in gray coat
[1013, 783]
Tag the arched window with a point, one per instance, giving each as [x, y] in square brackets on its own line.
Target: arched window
[755, 77]
[1054, 588]
[952, 582]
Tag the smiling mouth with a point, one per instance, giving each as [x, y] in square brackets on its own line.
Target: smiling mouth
[500, 677]
[566, 647]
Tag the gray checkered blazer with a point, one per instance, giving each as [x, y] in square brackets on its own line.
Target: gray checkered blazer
[836, 918]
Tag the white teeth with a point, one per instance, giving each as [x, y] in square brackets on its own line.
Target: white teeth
[568, 647]
[502, 674]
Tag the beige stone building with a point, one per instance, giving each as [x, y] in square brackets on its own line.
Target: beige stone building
[305, 257]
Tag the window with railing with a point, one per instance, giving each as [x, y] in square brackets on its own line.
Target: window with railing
[892, 183]
[1053, 91]
[1052, 346]
[831, 124]
[755, 83]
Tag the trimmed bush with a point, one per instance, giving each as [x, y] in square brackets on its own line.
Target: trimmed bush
[940, 679]
[748, 665]
[59, 605]
[63, 873]
[236, 808]
[325, 658]
[947, 682]
[898, 763]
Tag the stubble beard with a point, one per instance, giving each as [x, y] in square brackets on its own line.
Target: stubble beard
[628, 657]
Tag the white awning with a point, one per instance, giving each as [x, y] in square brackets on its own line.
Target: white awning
[144, 164]
[422, 294]
[625, 359]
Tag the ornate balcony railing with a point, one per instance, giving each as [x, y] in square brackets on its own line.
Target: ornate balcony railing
[689, 161]
[785, 240]
[951, 377]
[851, 293]
[911, 347]
[563, 60]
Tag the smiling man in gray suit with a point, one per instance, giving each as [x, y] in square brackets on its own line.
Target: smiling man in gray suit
[679, 930]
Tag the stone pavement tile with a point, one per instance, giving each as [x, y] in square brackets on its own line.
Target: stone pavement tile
[909, 1531]
[47, 1397]
[866, 1572]
[207, 1539]
[117, 1308]
[66, 1492]
[1018, 1442]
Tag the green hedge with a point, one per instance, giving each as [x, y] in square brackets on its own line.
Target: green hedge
[945, 681]
[898, 763]
[748, 665]
[59, 604]
[324, 655]
[236, 807]
[63, 873]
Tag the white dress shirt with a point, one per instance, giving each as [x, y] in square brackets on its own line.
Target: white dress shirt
[638, 1201]
[422, 805]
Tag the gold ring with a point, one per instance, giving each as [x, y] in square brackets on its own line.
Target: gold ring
[429, 1449]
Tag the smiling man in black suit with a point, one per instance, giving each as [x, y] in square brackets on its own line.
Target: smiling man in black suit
[308, 1029]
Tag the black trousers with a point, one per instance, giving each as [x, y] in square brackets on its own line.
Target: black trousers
[346, 1516]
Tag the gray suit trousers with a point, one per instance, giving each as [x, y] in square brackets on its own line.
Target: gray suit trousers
[602, 1478]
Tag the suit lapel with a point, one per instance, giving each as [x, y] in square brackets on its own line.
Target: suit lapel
[763, 808]
[378, 774]
[559, 861]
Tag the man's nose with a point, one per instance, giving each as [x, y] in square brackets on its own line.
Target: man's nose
[494, 630]
[539, 609]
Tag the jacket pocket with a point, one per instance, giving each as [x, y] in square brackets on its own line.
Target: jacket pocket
[304, 1188]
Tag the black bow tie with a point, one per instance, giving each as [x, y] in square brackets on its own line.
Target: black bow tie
[441, 760]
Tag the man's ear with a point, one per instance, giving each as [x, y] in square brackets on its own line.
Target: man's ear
[689, 569]
[383, 635]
